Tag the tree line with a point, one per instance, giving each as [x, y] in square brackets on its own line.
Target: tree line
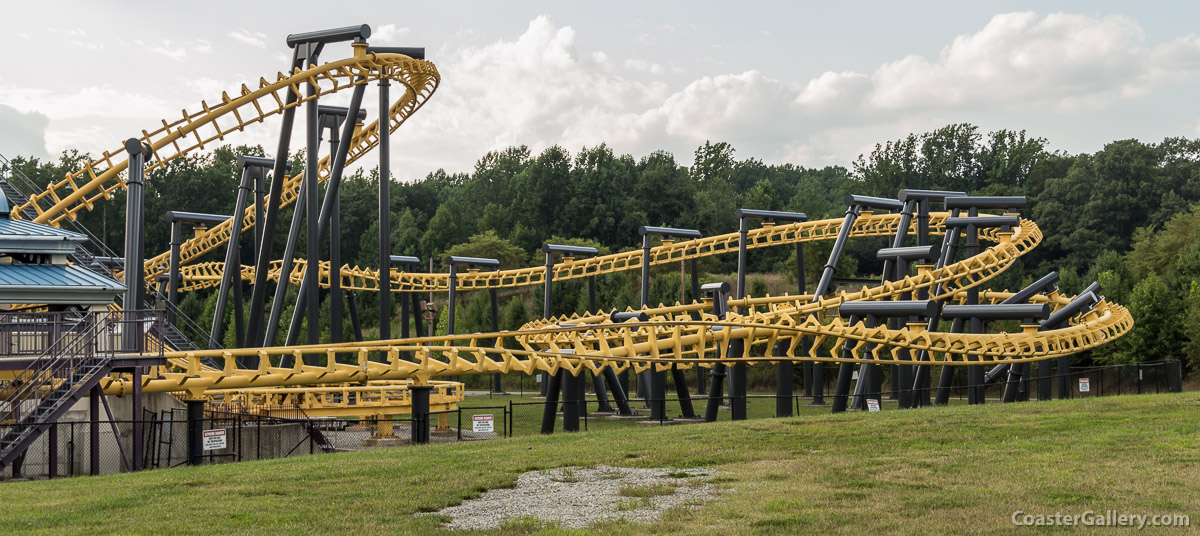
[1127, 215]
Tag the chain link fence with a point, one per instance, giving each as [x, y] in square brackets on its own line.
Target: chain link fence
[65, 448]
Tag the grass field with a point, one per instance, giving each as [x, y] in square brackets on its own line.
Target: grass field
[959, 469]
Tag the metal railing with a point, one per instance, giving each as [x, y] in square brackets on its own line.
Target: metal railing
[83, 341]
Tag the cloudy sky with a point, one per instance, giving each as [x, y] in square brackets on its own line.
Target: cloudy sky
[811, 84]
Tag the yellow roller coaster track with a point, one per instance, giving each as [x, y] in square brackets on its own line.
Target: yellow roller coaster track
[671, 337]
[206, 275]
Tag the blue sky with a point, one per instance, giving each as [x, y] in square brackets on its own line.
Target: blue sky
[807, 83]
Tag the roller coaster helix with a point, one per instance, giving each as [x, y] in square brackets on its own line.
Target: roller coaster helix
[822, 326]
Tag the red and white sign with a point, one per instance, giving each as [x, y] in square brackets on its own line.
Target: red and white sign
[483, 423]
[1085, 385]
[214, 439]
[872, 405]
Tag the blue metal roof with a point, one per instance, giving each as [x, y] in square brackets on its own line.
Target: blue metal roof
[55, 284]
[10, 228]
[21, 236]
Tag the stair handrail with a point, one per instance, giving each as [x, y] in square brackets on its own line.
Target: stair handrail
[45, 369]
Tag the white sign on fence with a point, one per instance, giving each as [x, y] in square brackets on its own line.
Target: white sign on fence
[872, 405]
[483, 423]
[1084, 385]
[214, 439]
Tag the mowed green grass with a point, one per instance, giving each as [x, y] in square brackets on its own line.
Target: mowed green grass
[959, 470]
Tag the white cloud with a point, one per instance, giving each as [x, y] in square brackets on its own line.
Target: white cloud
[176, 53]
[1019, 60]
[387, 34]
[643, 66]
[256, 39]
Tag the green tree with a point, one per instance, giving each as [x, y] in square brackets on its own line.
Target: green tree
[490, 246]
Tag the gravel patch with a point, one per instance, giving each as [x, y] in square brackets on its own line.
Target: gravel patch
[574, 498]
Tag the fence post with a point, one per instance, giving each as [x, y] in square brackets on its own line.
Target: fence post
[1175, 376]
[52, 453]
[1138, 368]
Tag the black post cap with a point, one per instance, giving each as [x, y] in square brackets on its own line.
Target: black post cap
[888, 309]
[668, 231]
[909, 254]
[333, 35]
[1004, 311]
[571, 251]
[983, 221]
[770, 215]
[619, 317]
[932, 195]
[992, 202]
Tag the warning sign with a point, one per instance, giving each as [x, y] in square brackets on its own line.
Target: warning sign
[1085, 385]
[483, 423]
[872, 405]
[214, 439]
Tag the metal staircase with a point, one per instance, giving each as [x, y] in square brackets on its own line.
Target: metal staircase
[37, 396]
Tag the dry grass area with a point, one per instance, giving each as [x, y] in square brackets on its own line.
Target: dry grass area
[961, 470]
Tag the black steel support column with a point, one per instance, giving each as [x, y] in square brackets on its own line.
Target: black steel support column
[1064, 377]
[135, 280]
[975, 387]
[420, 413]
[52, 451]
[923, 378]
[312, 208]
[547, 295]
[255, 329]
[138, 433]
[173, 269]
[452, 299]
[94, 430]
[385, 221]
[335, 242]
[329, 218]
[497, 379]
[550, 406]
[1045, 383]
[645, 380]
[841, 391]
[260, 195]
[231, 272]
[571, 384]
[355, 323]
[718, 293]
[195, 431]
[418, 322]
